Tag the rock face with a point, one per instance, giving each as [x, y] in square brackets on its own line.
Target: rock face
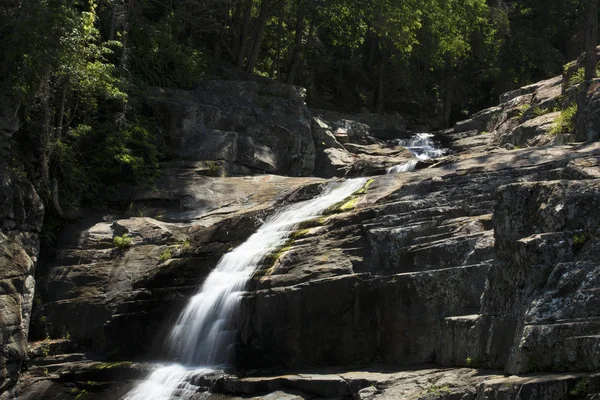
[21, 215]
[110, 299]
[524, 117]
[540, 307]
[587, 124]
[486, 258]
[397, 269]
[251, 126]
[257, 127]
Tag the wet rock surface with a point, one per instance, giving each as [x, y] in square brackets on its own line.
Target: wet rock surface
[484, 258]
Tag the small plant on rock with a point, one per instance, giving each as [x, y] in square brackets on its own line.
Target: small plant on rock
[439, 390]
[522, 110]
[581, 389]
[539, 111]
[577, 78]
[122, 242]
[565, 121]
[214, 169]
[580, 240]
[165, 255]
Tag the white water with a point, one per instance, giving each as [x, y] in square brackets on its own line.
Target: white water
[422, 146]
[203, 336]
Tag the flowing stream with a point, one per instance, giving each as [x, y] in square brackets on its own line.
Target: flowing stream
[422, 146]
[204, 335]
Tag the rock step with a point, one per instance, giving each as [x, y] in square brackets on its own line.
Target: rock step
[324, 386]
[394, 317]
[447, 233]
[57, 359]
[45, 348]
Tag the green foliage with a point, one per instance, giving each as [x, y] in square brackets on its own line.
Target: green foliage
[117, 364]
[299, 233]
[45, 349]
[522, 111]
[184, 245]
[579, 240]
[577, 78]
[581, 389]
[439, 390]
[565, 122]
[122, 242]
[539, 111]
[213, 168]
[165, 255]
[365, 188]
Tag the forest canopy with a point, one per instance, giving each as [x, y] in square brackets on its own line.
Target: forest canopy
[72, 71]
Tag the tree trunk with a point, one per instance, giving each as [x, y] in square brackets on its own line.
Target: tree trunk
[380, 97]
[240, 55]
[236, 23]
[113, 22]
[61, 110]
[46, 137]
[258, 36]
[448, 101]
[297, 58]
[55, 199]
[591, 38]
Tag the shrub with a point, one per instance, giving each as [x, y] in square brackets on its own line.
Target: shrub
[522, 110]
[122, 242]
[577, 78]
[565, 121]
[165, 255]
[539, 111]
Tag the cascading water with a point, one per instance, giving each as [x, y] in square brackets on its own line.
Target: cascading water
[422, 146]
[203, 336]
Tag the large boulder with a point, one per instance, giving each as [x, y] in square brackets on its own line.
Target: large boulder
[262, 127]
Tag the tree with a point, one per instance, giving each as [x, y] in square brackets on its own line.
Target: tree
[591, 39]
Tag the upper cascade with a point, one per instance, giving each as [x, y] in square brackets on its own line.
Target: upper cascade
[422, 146]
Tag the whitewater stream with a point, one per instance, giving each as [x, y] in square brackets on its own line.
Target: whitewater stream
[204, 335]
[422, 146]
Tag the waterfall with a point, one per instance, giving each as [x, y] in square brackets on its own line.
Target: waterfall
[422, 146]
[203, 336]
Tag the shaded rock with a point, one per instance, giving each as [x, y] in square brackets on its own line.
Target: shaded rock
[543, 290]
[380, 126]
[587, 123]
[21, 215]
[333, 162]
[533, 132]
[480, 121]
[263, 126]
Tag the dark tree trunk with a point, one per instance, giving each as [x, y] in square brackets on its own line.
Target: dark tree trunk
[236, 22]
[448, 101]
[241, 53]
[380, 97]
[258, 36]
[113, 22]
[591, 38]
[297, 58]
[61, 110]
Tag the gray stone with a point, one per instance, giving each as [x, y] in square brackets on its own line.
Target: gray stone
[264, 126]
